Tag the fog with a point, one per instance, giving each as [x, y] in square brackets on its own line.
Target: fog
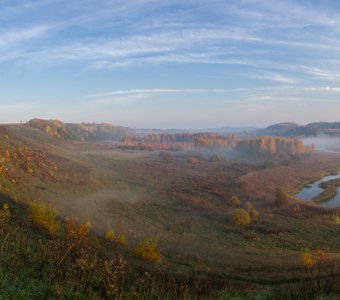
[324, 143]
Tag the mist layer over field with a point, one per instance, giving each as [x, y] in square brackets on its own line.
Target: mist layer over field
[324, 142]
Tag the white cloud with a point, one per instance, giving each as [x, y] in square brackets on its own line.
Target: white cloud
[15, 36]
[277, 78]
[155, 91]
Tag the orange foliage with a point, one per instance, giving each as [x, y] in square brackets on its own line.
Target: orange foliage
[268, 145]
[321, 255]
[20, 157]
[75, 231]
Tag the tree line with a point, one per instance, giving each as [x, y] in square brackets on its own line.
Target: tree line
[263, 145]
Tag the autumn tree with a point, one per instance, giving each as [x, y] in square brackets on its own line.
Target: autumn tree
[281, 197]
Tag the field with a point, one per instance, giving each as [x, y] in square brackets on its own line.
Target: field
[183, 199]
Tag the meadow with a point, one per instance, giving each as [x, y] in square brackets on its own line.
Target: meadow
[180, 204]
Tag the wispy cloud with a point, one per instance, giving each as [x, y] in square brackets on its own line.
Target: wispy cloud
[155, 91]
[265, 51]
[12, 37]
[276, 77]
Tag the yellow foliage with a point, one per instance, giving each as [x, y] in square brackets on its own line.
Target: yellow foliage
[307, 259]
[44, 216]
[235, 201]
[335, 219]
[254, 213]
[147, 250]
[240, 217]
[121, 240]
[4, 214]
[110, 235]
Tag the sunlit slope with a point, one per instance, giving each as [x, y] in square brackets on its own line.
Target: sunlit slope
[183, 199]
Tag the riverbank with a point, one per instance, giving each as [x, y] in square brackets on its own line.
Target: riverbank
[330, 191]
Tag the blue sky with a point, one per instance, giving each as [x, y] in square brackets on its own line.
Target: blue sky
[170, 63]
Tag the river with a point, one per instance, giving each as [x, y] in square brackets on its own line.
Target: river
[313, 190]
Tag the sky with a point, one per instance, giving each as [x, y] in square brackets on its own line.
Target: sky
[170, 63]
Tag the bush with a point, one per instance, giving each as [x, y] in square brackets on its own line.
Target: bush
[248, 206]
[121, 240]
[44, 216]
[240, 217]
[254, 213]
[75, 231]
[235, 201]
[147, 250]
[216, 158]
[335, 218]
[281, 197]
[110, 236]
[4, 214]
[269, 164]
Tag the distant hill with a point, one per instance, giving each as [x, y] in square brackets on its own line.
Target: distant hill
[287, 129]
[86, 131]
[105, 131]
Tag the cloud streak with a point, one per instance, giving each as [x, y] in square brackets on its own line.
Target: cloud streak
[155, 91]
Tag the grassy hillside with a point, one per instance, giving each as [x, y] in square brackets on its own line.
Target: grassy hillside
[180, 199]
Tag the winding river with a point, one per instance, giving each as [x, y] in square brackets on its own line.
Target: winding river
[313, 190]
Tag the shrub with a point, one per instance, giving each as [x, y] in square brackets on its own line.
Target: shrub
[269, 164]
[110, 235]
[321, 255]
[240, 217]
[335, 218]
[193, 160]
[307, 259]
[4, 214]
[248, 206]
[235, 201]
[216, 158]
[147, 250]
[121, 240]
[254, 213]
[44, 216]
[76, 231]
[281, 197]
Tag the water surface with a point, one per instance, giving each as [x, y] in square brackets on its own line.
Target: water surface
[313, 190]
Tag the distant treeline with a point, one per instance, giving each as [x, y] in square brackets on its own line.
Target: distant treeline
[80, 132]
[179, 141]
[274, 145]
[264, 145]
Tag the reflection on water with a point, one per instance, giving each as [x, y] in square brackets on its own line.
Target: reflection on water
[312, 190]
